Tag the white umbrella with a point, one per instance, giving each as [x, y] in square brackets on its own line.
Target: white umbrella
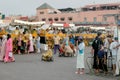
[46, 26]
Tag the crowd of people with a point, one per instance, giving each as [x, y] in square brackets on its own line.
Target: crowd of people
[24, 42]
[70, 45]
[6, 54]
[103, 51]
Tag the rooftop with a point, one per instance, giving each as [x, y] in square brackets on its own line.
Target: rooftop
[45, 6]
[66, 9]
[108, 4]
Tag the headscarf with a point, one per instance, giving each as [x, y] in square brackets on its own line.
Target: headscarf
[80, 38]
[30, 37]
[4, 37]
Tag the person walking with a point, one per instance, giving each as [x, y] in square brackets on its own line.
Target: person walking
[8, 51]
[38, 44]
[80, 56]
[2, 52]
[30, 42]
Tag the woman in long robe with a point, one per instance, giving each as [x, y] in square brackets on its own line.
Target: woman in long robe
[2, 52]
[80, 56]
[8, 52]
[38, 43]
[31, 48]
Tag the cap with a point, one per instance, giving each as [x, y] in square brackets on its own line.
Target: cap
[80, 37]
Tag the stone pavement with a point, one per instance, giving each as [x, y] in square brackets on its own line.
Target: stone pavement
[30, 67]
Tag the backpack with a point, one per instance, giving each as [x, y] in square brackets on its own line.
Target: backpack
[96, 44]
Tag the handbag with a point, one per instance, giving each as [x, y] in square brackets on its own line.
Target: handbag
[81, 51]
[10, 54]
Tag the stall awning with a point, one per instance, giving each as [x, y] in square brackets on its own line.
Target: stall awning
[28, 23]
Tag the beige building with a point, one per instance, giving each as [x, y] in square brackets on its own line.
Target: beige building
[87, 15]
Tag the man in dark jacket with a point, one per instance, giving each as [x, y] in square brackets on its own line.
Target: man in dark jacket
[96, 45]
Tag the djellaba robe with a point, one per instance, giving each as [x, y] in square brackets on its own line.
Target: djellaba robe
[80, 55]
[3, 48]
[9, 49]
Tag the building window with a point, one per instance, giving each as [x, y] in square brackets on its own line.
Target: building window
[50, 19]
[43, 19]
[70, 18]
[85, 19]
[56, 19]
[62, 19]
[95, 19]
[105, 19]
[103, 7]
[41, 12]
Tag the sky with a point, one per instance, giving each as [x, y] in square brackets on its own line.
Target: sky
[28, 7]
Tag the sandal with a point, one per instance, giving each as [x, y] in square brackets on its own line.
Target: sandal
[13, 60]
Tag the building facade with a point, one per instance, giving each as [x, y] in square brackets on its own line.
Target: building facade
[87, 15]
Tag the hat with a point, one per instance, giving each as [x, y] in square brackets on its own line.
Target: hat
[4, 36]
[80, 37]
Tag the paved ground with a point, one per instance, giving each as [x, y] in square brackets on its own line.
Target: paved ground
[30, 67]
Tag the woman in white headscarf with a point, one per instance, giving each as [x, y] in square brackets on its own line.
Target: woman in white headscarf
[80, 56]
[38, 43]
[31, 48]
[2, 52]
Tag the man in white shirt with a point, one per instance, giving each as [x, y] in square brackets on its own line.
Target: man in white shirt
[117, 72]
[114, 49]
